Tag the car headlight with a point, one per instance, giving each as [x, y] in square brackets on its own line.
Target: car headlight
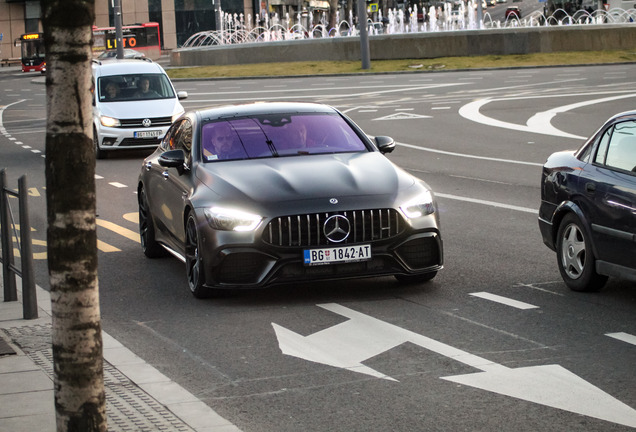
[421, 205]
[109, 121]
[176, 116]
[232, 219]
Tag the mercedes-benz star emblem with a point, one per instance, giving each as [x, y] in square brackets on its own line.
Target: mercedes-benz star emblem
[337, 228]
[146, 123]
[333, 201]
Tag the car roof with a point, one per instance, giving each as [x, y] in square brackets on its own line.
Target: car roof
[623, 115]
[259, 108]
[125, 66]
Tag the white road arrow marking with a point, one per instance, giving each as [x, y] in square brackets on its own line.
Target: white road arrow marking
[539, 123]
[362, 337]
[403, 116]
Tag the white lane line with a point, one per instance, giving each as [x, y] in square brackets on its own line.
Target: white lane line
[504, 300]
[469, 156]
[117, 184]
[258, 94]
[488, 203]
[625, 337]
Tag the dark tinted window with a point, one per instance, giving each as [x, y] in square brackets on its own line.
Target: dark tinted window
[278, 135]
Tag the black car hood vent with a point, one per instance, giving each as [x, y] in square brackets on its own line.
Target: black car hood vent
[308, 230]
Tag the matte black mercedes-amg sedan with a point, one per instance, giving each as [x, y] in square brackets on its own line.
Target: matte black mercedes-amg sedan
[260, 194]
[588, 206]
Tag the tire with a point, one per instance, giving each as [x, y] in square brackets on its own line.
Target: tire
[194, 260]
[150, 246]
[420, 278]
[575, 257]
[99, 153]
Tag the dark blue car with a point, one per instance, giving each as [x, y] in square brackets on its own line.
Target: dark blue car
[588, 206]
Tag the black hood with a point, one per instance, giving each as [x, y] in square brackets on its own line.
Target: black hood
[292, 180]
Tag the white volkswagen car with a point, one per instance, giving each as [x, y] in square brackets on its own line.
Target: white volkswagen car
[134, 104]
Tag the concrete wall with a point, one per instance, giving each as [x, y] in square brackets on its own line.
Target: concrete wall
[419, 45]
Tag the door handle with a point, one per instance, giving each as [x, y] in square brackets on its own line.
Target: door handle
[165, 175]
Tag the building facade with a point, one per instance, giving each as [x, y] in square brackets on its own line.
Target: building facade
[178, 19]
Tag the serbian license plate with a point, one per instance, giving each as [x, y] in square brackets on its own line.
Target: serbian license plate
[148, 134]
[341, 254]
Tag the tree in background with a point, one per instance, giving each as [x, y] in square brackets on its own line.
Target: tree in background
[80, 403]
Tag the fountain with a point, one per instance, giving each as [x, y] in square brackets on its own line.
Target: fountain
[236, 30]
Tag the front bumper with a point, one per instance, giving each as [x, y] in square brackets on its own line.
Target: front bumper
[242, 266]
[124, 138]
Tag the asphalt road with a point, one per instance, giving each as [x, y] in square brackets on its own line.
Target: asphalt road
[495, 342]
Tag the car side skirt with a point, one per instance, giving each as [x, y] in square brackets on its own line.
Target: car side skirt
[615, 270]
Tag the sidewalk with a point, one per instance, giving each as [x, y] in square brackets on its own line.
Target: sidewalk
[138, 397]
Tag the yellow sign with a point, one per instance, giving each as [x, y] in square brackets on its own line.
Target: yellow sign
[31, 36]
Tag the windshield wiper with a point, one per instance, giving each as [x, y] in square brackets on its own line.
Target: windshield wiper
[270, 144]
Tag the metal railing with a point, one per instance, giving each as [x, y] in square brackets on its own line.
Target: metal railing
[9, 235]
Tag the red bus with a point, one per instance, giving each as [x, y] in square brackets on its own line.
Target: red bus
[32, 52]
[144, 38]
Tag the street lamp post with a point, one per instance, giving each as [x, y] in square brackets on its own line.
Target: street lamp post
[119, 34]
[364, 35]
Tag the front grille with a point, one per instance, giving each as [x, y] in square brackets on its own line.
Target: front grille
[307, 229]
[129, 142]
[137, 123]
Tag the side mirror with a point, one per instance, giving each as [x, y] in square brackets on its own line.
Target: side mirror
[385, 144]
[182, 95]
[173, 159]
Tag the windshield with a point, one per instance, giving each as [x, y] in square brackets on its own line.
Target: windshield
[119, 88]
[32, 49]
[278, 135]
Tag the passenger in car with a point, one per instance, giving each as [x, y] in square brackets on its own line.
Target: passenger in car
[224, 144]
[111, 90]
[144, 91]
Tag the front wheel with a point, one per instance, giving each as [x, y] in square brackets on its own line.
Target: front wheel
[194, 260]
[149, 245]
[99, 153]
[575, 258]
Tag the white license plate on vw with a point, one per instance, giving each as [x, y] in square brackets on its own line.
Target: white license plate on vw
[148, 134]
[334, 255]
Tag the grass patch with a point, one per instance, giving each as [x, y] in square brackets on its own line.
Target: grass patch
[407, 65]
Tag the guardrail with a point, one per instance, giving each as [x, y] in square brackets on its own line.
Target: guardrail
[9, 234]
[10, 62]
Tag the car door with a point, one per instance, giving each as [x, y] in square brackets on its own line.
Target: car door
[164, 189]
[610, 184]
[177, 186]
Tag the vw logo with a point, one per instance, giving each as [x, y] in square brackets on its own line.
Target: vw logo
[336, 228]
[333, 201]
[146, 122]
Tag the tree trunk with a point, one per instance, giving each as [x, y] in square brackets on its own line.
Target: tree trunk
[80, 403]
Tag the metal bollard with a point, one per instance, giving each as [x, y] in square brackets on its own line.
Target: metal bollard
[29, 296]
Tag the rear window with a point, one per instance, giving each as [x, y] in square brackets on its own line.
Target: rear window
[133, 87]
[278, 135]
